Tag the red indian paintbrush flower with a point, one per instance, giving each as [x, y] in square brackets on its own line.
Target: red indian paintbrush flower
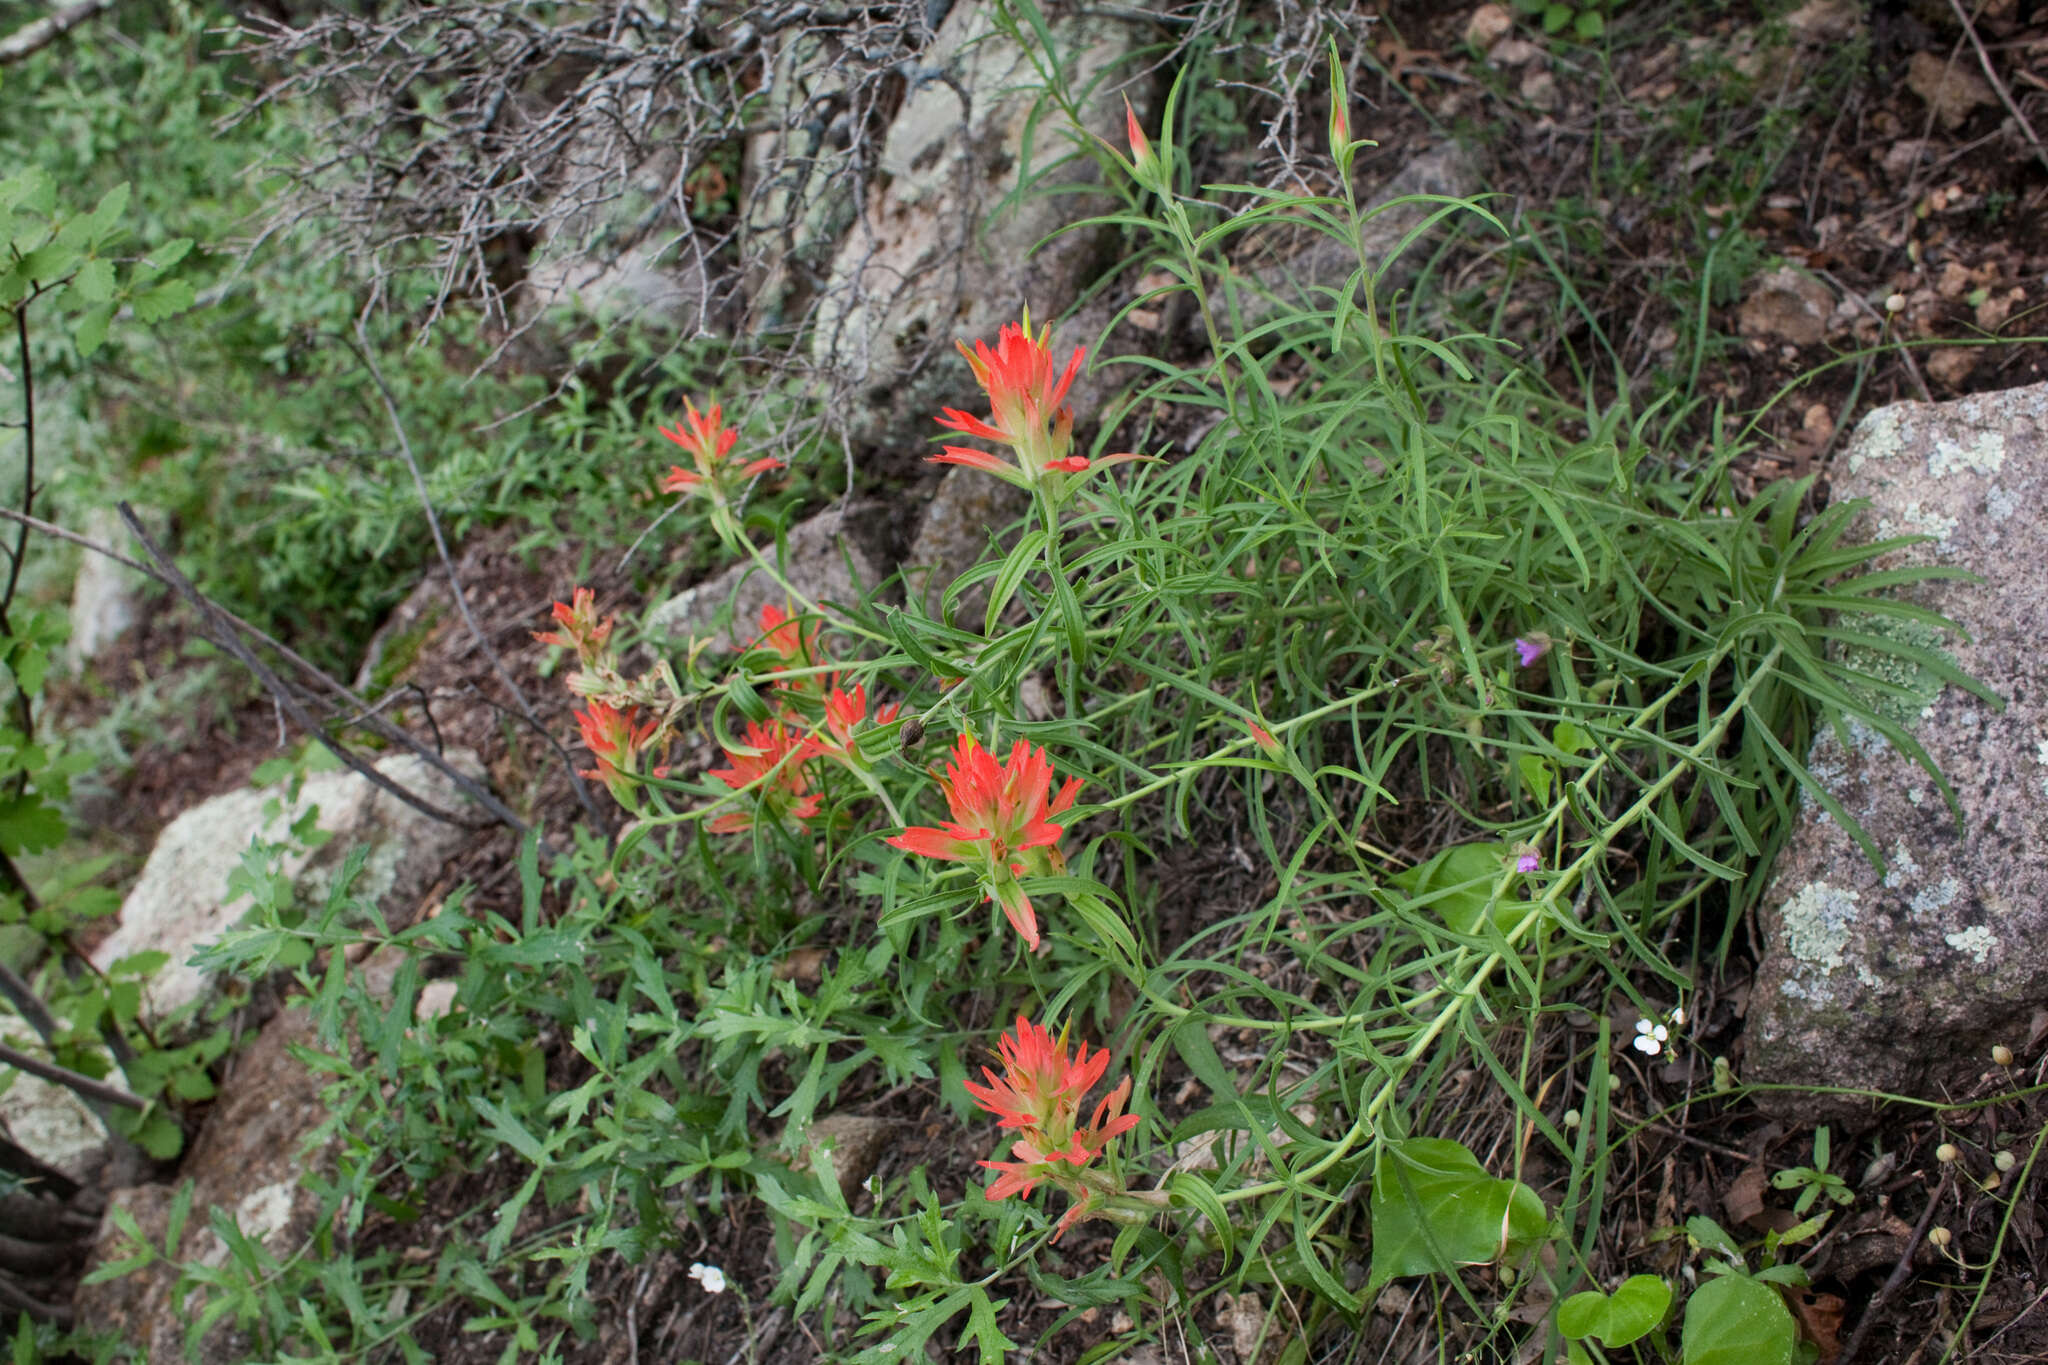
[779, 798]
[580, 631]
[1040, 1094]
[616, 740]
[844, 711]
[1340, 112]
[794, 642]
[709, 441]
[999, 824]
[1027, 409]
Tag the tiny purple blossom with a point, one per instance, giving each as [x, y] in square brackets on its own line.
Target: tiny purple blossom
[1530, 650]
[1528, 862]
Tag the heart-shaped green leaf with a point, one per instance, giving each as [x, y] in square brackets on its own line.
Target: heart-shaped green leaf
[1635, 1307]
[1457, 886]
[1434, 1208]
[1734, 1320]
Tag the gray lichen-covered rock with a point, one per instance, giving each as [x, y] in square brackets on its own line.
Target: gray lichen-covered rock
[944, 249]
[835, 556]
[180, 902]
[1903, 980]
[606, 233]
[801, 192]
[54, 1126]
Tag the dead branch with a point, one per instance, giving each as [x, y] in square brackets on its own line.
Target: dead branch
[368, 355]
[85, 1086]
[461, 138]
[340, 698]
[48, 29]
[21, 1302]
[284, 694]
[1991, 74]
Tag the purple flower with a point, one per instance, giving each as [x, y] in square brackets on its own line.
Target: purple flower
[1528, 862]
[1531, 649]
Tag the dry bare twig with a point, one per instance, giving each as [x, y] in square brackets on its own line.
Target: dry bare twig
[84, 1086]
[368, 355]
[352, 709]
[282, 691]
[1991, 74]
[36, 36]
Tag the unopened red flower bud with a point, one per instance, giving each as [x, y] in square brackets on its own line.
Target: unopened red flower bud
[1340, 110]
[1141, 146]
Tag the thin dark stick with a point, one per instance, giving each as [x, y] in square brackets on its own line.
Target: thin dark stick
[28, 448]
[24, 1001]
[44, 1220]
[278, 688]
[366, 713]
[48, 29]
[24, 710]
[70, 1080]
[1984, 60]
[26, 1164]
[117, 1042]
[22, 998]
[419, 481]
[1901, 1272]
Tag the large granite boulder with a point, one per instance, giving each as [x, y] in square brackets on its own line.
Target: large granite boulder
[56, 1127]
[105, 597]
[1903, 979]
[801, 184]
[181, 901]
[605, 238]
[946, 249]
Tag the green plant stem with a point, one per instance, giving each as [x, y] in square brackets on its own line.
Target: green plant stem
[2012, 1207]
[800, 599]
[879, 792]
[1277, 729]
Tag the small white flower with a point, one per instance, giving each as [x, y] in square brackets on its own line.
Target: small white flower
[710, 1276]
[1650, 1038]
